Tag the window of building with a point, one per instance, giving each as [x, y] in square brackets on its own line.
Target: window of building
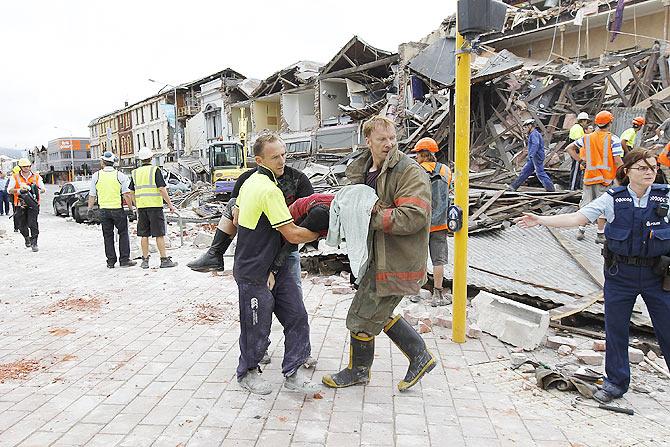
[156, 104]
[158, 136]
[144, 140]
[142, 110]
[153, 136]
[139, 145]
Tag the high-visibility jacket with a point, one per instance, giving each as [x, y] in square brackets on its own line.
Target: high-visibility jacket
[147, 195]
[19, 181]
[108, 189]
[628, 136]
[576, 132]
[597, 152]
[663, 158]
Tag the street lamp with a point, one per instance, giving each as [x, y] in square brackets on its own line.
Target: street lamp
[177, 141]
[71, 151]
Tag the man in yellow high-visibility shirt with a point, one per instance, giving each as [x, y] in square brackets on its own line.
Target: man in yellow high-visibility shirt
[149, 191]
[108, 186]
[628, 136]
[577, 131]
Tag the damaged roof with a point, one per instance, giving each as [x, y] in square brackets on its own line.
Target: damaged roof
[294, 76]
[437, 62]
[357, 56]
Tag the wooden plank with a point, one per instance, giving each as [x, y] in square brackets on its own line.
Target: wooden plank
[595, 273]
[487, 205]
[660, 96]
[622, 95]
[588, 82]
[578, 306]
[536, 94]
[347, 71]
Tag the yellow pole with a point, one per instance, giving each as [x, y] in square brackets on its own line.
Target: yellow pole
[462, 165]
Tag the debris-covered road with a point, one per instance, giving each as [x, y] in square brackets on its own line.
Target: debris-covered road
[92, 356]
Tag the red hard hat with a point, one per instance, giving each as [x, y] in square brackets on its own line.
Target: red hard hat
[604, 118]
[426, 144]
[639, 121]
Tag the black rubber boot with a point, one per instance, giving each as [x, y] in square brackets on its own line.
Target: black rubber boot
[361, 355]
[212, 259]
[421, 361]
[27, 241]
[33, 244]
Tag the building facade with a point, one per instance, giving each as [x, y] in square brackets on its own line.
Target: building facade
[65, 154]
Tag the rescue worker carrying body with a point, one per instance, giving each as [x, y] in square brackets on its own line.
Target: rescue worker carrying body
[599, 153]
[636, 259]
[629, 135]
[440, 178]
[26, 186]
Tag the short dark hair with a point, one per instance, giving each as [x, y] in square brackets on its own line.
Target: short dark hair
[108, 163]
[429, 155]
[267, 136]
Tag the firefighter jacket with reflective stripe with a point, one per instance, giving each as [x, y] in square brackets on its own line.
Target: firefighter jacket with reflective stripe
[401, 226]
[147, 195]
[597, 152]
[19, 181]
[108, 190]
[637, 231]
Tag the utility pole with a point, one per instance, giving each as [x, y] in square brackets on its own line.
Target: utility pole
[473, 17]
[462, 185]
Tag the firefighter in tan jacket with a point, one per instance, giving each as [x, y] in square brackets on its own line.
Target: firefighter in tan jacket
[400, 224]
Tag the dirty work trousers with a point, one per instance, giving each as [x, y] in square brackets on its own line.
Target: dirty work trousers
[369, 312]
[257, 304]
[110, 219]
[623, 283]
[25, 220]
[535, 163]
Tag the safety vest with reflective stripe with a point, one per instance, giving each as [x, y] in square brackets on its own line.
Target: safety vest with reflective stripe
[108, 189]
[597, 152]
[19, 180]
[663, 158]
[147, 195]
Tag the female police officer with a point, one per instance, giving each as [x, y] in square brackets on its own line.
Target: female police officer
[638, 234]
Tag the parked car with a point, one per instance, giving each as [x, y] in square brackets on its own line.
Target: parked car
[69, 193]
[81, 214]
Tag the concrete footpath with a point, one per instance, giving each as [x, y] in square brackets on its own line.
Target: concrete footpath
[100, 357]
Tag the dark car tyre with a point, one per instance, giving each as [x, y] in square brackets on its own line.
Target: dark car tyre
[55, 209]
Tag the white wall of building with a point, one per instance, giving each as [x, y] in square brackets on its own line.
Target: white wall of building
[150, 127]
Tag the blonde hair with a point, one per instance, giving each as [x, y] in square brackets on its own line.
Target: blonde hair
[374, 122]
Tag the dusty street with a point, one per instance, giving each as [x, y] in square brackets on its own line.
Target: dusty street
[92, 356]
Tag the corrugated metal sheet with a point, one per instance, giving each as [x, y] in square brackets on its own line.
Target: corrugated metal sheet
[531, 262]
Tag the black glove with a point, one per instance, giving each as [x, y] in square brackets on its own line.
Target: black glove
[317, 219]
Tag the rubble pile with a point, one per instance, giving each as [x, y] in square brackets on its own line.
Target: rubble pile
[508, 89]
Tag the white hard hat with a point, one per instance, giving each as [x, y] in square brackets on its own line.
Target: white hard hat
[145, 153]
[529, 121]
[582, 116]
[108, 156]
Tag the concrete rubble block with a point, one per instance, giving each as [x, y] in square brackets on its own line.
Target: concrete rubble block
[411, 317]
[635, 355]
[514, 323]
[556, 341]
[203, 239]
[473, 331]
[599, 345]
[345, 275]
[589, 357]
[564, 350]
[661, 362]
[651, 355]
[443, 321]
[424, 328]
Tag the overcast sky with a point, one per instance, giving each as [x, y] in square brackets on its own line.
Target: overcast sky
[66, 62]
